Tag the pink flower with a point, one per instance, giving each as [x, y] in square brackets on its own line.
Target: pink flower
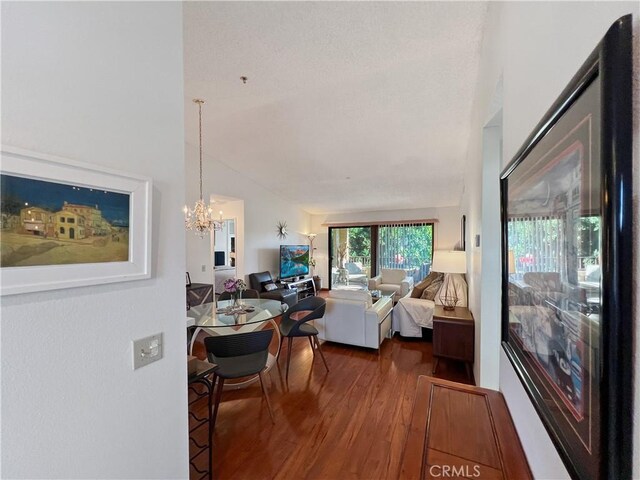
[233, 285]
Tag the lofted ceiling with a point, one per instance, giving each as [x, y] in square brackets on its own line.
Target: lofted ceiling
[349, 106]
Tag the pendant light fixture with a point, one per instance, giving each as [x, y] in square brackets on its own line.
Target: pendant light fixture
[200, 217]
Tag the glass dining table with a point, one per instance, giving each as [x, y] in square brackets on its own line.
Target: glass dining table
[212, 319]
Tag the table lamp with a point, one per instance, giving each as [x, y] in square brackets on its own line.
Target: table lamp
[449, 262]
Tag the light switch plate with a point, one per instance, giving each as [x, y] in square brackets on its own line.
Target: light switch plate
[146, 350]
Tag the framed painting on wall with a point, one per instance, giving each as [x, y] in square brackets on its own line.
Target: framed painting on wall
[69, 224]
[567, 279]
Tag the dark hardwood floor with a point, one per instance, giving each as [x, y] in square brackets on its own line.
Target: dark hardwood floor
[348, 423]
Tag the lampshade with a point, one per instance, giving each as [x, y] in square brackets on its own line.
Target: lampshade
[449, 261]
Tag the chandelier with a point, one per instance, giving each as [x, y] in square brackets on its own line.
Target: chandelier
[200, 217]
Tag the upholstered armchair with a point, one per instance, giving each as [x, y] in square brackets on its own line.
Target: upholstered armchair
[392, 281]
[352, 318]
[268, 288]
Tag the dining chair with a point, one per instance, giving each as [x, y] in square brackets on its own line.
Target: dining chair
[248, 293]
[299, 327]
[238, 355]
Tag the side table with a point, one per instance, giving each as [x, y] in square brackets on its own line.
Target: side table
[453, 336]
[201, 377]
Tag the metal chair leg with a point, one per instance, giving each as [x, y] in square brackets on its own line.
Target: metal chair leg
[288, 358]
[217, 402]
[266, 397]
[315, 338]
[313, 350]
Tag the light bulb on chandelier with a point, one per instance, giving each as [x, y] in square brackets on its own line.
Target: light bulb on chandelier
[200, 217]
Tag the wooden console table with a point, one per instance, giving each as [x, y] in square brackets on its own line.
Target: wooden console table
[461, 431]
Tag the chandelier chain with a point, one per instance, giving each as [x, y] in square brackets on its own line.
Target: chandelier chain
[200, 102]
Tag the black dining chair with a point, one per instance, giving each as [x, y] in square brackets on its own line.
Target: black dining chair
[238, 355]
[248, 293]
[300, 327]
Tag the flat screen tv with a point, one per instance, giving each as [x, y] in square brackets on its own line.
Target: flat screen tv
[294, 260]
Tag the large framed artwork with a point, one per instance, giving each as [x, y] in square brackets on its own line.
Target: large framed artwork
[69, 224]
[566, 206]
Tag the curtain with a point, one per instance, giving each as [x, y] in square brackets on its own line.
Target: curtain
[406, 245]
[536, 243]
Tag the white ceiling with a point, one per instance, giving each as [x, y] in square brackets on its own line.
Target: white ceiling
[349, 106]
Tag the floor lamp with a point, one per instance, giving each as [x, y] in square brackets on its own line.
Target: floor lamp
[449, 262]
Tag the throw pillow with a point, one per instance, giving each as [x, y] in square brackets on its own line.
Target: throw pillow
[269, 287]
[431, 291]
[424, 283]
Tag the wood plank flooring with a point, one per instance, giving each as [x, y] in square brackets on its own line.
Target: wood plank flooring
[349, 423]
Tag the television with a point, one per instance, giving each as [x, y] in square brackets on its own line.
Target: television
[218, 259]
[294, 260]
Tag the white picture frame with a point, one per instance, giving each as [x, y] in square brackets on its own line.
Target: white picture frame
[37, 166]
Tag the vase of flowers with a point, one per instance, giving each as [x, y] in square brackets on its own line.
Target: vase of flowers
[235, 286]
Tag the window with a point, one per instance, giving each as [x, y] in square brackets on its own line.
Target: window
[62, 219]
[71, 220]
[62, 230]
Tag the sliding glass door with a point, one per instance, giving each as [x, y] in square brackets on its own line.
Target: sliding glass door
[350, 256]
[358, 253]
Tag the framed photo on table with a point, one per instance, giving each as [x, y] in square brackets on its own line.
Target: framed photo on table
[567, 276]
[70, 224]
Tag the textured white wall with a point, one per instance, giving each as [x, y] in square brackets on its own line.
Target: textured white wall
[100, 83]
[530, 45]
[258, 243]
[446, 233]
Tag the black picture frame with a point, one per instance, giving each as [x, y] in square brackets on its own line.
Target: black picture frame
[574, 354]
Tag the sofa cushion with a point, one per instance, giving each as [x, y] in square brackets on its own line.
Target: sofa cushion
[425, 282]
[431, 290]
[393, 275]
[543, 281]
[389, 286]
[357, 295]
[269, 286]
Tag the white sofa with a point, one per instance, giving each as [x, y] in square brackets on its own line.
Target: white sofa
[392, 281]
[411, 315]
[352, 318]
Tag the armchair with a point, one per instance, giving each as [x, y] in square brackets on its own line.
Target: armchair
[392, 281]
[352, 318]
[259, 282]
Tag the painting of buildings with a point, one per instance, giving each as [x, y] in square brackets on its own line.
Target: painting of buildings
[48, 223]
